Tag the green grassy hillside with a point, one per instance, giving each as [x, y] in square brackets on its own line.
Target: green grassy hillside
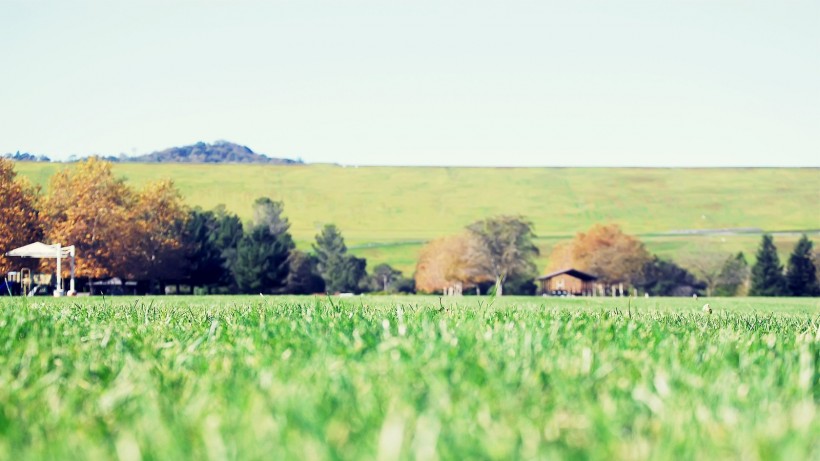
[385, 212]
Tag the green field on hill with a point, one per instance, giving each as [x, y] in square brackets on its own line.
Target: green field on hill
[386, 212]
[395, 378]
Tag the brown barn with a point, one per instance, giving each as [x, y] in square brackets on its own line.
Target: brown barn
[568, 282]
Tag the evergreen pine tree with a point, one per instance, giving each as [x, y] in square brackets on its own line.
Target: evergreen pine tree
[269, 213]
[261, 264]
[262, 259]
[340, 271]
[205, 261]
[801, 274]
[733, 276]
[767, 273]
[227, 233]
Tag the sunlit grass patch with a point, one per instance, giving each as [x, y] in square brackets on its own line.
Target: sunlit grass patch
[408, 378]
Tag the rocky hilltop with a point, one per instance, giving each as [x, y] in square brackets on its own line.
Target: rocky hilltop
[201, 152]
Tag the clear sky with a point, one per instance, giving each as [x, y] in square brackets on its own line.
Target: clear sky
[569, 83]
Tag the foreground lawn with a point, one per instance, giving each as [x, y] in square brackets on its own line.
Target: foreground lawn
[408, 378]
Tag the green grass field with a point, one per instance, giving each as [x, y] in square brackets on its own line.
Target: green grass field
[225, 378]
[385, 211]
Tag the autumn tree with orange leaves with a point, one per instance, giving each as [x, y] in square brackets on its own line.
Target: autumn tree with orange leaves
[605, 251]
[448, 261]
[88, 207]
[562, 257]
[117, 231]
[19, 224]
[158, 218]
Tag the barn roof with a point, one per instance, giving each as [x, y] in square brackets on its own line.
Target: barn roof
[571, 272]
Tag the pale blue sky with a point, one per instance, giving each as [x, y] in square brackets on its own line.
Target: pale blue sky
[575, 83]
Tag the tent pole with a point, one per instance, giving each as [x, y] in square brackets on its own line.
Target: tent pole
[59, 288]
[71, 282]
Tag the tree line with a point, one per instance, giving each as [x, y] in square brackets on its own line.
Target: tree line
[261, 257]
[498, 254]
[26, 157]
[149, 234]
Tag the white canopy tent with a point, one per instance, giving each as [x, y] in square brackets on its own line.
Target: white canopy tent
[56, 251]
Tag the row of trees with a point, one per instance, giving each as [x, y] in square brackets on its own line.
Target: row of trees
[619, 258]
[26, 157]
[616, 257]
[118, 229]
[734, 277]
[261, 257]
[769, 278]
[500, 251]
[149, 234]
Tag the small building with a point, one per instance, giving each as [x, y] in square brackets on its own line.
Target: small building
[114, 286]
[568, 282]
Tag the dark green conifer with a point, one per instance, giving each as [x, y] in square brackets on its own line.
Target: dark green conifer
[263, 254]
[801, 274]
[340, 271]
[767, 273]
[261, 264]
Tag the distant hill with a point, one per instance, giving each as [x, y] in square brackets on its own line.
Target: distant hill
[201, 152]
